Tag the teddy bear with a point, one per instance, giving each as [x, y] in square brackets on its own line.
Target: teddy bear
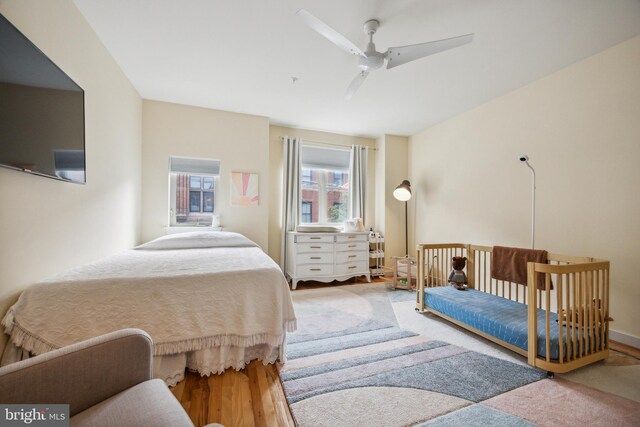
[457, 277]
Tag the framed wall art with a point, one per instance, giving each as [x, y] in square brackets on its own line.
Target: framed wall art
[244, 189]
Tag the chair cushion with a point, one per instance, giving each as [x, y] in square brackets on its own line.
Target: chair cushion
[147, 404]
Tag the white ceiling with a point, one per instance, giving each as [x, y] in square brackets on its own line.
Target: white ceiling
[240, 55]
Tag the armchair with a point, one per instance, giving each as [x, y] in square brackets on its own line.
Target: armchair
[106, 381]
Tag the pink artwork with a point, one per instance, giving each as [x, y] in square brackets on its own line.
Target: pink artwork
[244, 189]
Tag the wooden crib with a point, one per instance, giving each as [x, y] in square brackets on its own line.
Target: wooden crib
[579, 301]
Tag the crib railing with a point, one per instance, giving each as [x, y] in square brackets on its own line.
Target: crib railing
[435, 261]
[576, 294]
[581, 295]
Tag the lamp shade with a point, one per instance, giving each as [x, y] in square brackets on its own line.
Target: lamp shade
[403, 191]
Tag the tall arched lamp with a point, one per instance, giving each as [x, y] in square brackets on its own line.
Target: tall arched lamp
[403, 193]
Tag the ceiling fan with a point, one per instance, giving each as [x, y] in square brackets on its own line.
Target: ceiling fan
[370, 59]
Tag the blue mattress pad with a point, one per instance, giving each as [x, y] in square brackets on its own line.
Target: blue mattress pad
[495, 316]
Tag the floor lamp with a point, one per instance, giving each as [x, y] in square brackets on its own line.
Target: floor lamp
[403, 193]
[524, 158]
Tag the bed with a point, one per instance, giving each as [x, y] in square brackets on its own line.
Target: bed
[559, 318]
[209, 300]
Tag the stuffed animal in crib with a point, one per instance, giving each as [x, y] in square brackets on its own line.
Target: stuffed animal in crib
[457, 277]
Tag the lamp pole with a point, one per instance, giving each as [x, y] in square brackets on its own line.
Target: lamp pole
[533, 206]
[524, 158]
[406, 230]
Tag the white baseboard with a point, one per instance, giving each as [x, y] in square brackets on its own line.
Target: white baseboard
[629, 340]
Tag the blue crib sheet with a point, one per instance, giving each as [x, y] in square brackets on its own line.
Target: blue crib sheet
[493, 315]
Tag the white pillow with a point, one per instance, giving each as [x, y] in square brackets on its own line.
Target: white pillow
[199, 239]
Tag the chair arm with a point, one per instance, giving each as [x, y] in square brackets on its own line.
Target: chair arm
[82, 374]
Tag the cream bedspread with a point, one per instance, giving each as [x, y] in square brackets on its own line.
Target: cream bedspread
[187, 300]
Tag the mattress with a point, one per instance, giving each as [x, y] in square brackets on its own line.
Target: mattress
[495, 316]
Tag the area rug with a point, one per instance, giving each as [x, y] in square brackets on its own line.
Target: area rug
[351, 364]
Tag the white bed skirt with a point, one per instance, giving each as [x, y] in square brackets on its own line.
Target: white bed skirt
[171, 368]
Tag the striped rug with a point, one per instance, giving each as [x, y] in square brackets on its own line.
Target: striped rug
[360, 368]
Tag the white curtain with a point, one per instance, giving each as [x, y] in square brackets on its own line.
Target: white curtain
[358, 177]
[291, 192]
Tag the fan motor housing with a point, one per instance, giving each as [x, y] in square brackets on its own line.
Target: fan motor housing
[371, 62]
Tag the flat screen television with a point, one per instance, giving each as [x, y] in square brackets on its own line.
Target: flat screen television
[41, 112]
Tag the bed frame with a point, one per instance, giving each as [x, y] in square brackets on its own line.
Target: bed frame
[580, 297]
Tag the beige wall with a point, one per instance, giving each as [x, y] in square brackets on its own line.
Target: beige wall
[391, 170]
[381, 196]
[275, 190]
[581, 128]
[47, 226]
[239, 141]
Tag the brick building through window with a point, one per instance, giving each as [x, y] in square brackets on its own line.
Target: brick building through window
[192, 190]
[324, 186]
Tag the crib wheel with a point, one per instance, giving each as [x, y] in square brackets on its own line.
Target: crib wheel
[550, 375]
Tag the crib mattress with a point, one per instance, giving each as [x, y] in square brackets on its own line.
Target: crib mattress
[493, 315]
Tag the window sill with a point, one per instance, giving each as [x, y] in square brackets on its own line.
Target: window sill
[186, 228]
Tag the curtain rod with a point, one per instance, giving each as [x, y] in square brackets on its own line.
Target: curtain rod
[331, 144]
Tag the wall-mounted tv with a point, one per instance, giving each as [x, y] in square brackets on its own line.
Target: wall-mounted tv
[41, 112]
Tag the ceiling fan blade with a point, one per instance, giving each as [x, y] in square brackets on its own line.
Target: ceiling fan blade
[329, 33]
[403, 54]
[355, 84]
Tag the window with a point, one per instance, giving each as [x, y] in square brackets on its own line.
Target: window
[200, 200]
[324, 185]
[306, 213]
[338, 179]
[306, 176]
[337, 212]
[192, 185]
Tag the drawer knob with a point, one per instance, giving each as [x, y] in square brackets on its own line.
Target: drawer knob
[351, 267]
[316, 247]
[352, 246]
[314, 269]
[352, 256]
[315, 257]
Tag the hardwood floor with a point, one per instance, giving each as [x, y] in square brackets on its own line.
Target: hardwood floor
[250, 397]
[626, 349]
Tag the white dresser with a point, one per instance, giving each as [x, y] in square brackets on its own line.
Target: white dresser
[327, 256]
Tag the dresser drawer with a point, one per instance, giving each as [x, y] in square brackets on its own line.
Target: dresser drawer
[351, 238]
[326, 238]
[319, 258]
[350, 256]
[353, 247]
[302, 248]
[352, 267]
[314, 270]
